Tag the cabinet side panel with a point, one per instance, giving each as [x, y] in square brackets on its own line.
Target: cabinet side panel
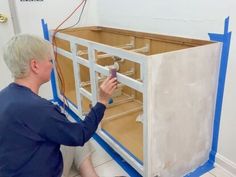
[181, 102]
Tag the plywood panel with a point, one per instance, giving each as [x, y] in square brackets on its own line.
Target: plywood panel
[92, 34]
[113, 39]
[67, 72]
[127, 132]
[163, 46]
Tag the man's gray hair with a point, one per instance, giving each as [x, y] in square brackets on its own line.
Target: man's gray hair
[21, 49]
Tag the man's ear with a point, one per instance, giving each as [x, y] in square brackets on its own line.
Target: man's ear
[34, 66]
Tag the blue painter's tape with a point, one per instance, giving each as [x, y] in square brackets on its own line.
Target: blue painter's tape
[226, 28]
[201, 170]
[45, 29]
[53, 84]
[216, 37]
[225, 39]
[53, 80]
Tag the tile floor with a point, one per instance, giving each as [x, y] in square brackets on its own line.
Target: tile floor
[107, 167]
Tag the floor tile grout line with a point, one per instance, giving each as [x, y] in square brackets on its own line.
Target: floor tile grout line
[103, 163]
[212, 174]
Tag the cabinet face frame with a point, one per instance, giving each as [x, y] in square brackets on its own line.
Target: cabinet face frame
[93, 68]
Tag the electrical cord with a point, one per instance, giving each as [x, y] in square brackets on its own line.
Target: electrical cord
[54, 43]
[85, 1]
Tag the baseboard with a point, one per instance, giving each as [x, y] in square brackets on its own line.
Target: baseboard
[226, 164]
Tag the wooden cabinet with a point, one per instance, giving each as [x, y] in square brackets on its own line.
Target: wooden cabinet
[160, 119]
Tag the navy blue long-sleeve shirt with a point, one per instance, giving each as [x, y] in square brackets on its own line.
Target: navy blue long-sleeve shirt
[31, 131]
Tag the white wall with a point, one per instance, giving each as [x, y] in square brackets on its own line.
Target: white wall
[6, 32]
[186, 18]
[53, 12]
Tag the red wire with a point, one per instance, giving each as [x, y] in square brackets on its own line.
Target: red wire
[58, 68]
[70, 15]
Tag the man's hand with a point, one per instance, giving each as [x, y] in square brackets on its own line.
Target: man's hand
[106, 89]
